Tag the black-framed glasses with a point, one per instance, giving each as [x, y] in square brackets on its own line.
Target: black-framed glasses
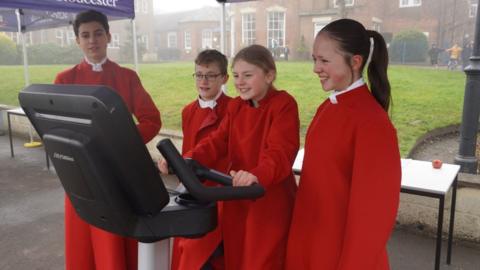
[208, 77]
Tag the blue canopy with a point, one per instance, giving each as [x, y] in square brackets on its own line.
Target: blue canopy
[29, 15]
[41, 14]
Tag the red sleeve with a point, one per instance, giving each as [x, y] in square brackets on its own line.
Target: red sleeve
[374, 196]
[185, 116]
[145, 111]
[281, 145]
[215, 146]
[64, 77]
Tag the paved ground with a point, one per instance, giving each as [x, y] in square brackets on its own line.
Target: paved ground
[31, 221]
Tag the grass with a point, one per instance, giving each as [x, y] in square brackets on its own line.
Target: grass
[423, 98]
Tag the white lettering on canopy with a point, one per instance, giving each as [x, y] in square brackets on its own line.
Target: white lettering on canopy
[104, 3]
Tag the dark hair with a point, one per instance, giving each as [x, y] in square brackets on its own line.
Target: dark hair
[90, 16]
[354, 39]
[207, 57]
[257, 55]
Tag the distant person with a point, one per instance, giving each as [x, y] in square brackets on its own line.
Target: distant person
[466, 54]
[88, 247]
[454, 51]
[286, 52]
[260, 137]
[199, 119]
[433, 53]
[349, 190]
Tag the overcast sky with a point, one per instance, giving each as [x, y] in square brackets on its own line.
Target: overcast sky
[163, 6]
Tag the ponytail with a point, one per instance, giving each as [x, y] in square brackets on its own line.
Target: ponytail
[377, 70]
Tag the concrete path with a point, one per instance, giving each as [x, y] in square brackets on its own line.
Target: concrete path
[31, 221]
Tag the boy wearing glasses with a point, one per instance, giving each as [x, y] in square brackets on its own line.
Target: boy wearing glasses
[199, 118]
[88, 247]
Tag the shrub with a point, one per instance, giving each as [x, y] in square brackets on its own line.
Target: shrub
[51, 53]
[409, 46]
[8, 51]
[169, 54]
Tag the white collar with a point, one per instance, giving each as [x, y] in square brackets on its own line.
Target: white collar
[356, 84]
[97, 67]
[209, 103]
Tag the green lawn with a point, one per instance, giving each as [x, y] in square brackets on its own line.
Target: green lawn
[423, 99]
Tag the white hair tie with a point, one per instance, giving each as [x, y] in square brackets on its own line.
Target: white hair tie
[370, 53]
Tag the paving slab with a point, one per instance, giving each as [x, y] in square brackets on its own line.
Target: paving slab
[31, 221]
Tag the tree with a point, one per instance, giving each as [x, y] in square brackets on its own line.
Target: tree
[126, 49]
[302, 50]
[8, 50]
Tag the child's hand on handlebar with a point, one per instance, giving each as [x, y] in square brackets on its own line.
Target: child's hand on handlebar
[162, 166]
[243, 178]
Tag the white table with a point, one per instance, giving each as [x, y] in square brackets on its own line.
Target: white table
[420, 178]
[18, 111]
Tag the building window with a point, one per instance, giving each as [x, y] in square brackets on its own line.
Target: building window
[59, 36]
[115, 41]
[472, 12]
[70, 37]
[276, 29]
[317, 26]
[207, 39]
[137, 5]
[172, 40]
[144, 6]
[141, 6]
[144, 40]
[188, 41]
[348, 3]
[248, 29]
[410, 3]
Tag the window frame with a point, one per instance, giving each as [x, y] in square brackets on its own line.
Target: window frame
[172, 43]
[410, 3]
[248, 34]
[271, 31]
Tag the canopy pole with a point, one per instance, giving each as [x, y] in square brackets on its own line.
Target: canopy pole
[24, 47]
[222, 29]
[135, 53]
[471, 111]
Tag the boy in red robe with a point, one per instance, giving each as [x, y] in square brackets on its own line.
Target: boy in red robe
[260, 138]
[199, 119]
[349, 188]
[88, 247]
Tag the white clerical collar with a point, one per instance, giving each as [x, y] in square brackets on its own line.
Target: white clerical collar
[97, 67]
[209, 103]
[356, 84]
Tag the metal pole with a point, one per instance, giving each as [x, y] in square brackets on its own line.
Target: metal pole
[471, 109]
[222, 29]
[135, 53]
[24, 47]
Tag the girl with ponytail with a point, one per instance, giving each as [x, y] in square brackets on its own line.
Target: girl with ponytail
[348, 195]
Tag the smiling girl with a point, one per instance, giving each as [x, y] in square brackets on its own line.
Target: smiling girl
[349, 188]
[260, 137]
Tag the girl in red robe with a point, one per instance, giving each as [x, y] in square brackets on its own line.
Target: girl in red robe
[88, 247]
[349, 188]
[200, 118]
[260, 137]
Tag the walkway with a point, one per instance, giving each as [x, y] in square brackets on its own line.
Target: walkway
[31, 221]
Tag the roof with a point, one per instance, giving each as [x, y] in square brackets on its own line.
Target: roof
[169, 21]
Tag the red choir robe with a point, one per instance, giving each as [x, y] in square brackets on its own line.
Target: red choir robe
[264, 141]
[349, 188]
[198, 123]
[88, 247]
